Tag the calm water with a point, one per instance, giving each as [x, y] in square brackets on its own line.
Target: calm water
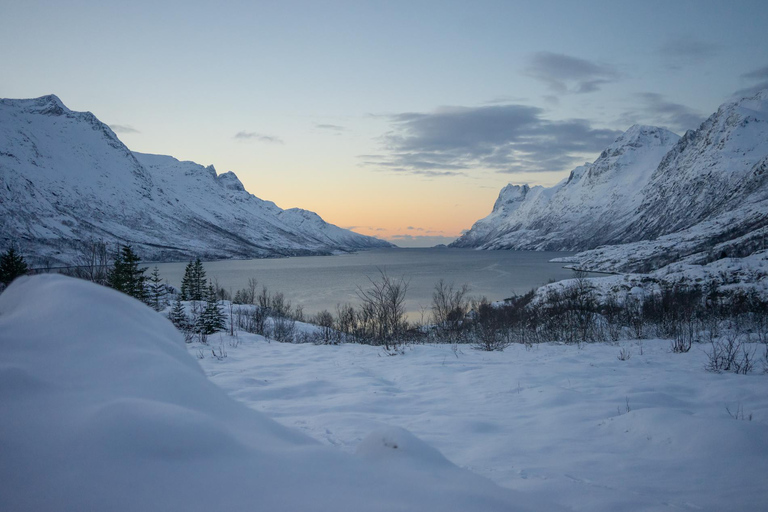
[321, 282]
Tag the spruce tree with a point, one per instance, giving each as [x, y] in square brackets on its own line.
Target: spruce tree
[212, 318]
[12, 265]
[126, 276]
[156, 291]
[186, 282]
[178, 316]
[193, 283]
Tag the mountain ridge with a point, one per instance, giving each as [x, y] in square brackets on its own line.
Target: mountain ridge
[650, 199]
[65, 178]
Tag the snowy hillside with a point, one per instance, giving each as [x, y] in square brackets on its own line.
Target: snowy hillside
[696, 199]
[66, 177]
[104, 409]
[583, 210]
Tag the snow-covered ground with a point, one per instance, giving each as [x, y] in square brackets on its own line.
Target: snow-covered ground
[580, 426]
[104, 408]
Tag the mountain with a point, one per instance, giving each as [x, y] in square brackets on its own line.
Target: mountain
[583, 210]
[65, 178]
[650, 199]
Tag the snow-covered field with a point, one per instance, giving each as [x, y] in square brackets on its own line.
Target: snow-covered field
[580, 426]
[103, 407]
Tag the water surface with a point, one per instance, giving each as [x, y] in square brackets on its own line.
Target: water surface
[321, 282]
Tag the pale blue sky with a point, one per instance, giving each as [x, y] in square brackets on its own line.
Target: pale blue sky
[385, 116]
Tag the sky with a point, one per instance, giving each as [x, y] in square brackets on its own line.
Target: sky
[397, 119]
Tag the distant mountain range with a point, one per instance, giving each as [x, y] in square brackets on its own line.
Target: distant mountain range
[650, 199]
[65, 177]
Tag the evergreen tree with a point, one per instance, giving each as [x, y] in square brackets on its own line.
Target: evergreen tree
[12, 265]
[186, 282]
[212, 318]
[193, 284]
[178, 316]
[156, 291]
[126, 276]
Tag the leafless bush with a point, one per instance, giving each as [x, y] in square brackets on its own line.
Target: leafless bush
[449, 307]
[488, 328]
[280, 307]
[219, 292]
[383, 311]
[221, 354]
[327, 335]
[283, 329]
[247, 295]
[624, 354]
[685, 332]
[91, 263]
[346, 322]
[738, 413]
[731, 354]
[633, 316]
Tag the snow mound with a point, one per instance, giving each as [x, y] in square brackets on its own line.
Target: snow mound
[104, 409]
[397, 444]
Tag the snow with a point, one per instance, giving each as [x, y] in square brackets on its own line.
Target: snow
[579, 426]
[582, 210]
[104, 409]
[65, 177]
[650, 199]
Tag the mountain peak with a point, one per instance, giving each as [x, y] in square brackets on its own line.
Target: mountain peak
[642, 133]
[510, 194]
[46, 105]
[84, 184]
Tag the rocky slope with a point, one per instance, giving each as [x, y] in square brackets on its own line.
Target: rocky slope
[650, 199]
[66, 178]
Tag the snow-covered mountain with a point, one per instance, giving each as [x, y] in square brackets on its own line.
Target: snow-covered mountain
[65, 177]
[650, 199]
[583, 210]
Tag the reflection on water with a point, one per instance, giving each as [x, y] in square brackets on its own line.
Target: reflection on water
[321, 282]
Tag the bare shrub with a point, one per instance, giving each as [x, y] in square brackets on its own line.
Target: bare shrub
[449, 308]
[383, 310]
[738, 413]
[92, 261]
[488, 328]
[731, 354]
[346, 321]
[283, 329]
[327, 335]
[624, 354]
[685, 332]
[246, 295]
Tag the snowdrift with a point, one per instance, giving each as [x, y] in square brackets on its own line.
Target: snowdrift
[104, 409]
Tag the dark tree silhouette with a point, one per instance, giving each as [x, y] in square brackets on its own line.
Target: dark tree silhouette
[12, 265]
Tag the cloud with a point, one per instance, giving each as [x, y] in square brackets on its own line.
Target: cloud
[760, 76]
[565, 74]
[123, 128]
[656, 109]
[246, 136]
[363, 228]
[683, 51]
[504, 99]
[453, 141]
[330, 127]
